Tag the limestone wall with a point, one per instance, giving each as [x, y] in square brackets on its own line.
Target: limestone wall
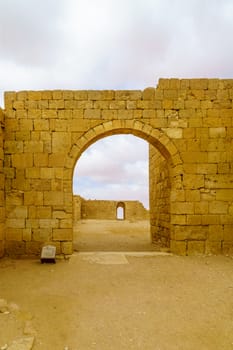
[159, 197]
[107, 210]
[188, 121]
[2, 183]
[201, 204]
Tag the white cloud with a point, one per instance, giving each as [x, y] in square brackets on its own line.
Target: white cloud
[115, 167]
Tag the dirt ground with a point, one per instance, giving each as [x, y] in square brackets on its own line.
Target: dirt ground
[114, 300]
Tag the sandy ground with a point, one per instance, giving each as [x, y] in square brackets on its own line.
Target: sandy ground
[113, 235]
[114, 300]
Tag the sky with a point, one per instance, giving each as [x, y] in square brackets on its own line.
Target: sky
[112, 44]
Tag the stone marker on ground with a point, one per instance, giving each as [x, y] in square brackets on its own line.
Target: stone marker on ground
[48, 254]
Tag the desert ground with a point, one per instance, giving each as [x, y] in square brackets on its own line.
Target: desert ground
[117, 292]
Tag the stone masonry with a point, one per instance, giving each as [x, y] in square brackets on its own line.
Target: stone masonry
[189, 125]
[107, 209]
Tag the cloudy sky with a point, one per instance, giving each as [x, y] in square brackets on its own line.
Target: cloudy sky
[112, 44]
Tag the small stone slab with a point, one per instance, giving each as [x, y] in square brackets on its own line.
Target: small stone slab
[22, 344]
[48, 254]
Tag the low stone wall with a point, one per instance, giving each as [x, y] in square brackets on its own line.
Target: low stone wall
[107, 210]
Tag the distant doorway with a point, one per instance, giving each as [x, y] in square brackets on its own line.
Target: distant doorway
[120, 211]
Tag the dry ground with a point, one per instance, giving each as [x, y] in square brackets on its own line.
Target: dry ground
[119, 301]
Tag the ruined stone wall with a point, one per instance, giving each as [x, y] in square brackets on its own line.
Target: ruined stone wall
[188, 121]
[107, 210]
[201, 204]
[77, 207]
[2, 186]
[159, 197]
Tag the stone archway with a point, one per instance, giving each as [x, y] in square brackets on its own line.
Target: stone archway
[187, 122]
[160, 142]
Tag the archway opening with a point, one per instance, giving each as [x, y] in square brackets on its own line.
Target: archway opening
[120, 211]
[164, 151]
[111, 195]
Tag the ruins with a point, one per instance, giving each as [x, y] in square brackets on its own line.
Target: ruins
[189, 126]
[108, 210]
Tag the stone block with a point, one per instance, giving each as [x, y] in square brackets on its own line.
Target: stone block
[148, 93]
[33, 248]
[2, 231]
[218, 207]
[22, 161]
[227, 248]
[47, 173]
[92, 114]
[15, 223]
[128, 95]
[109, 114]
[217, 132]
[201, 207]
[196, 248]
[67, 248]
[228, 233]
[174, 133]
[33, 198]
[34, 95]
[32, 173]
[178, 219]
[164, 84]
[43, 212]
[206, 168]
[2, 249]
[66, 223]
[42, 234]
[18, 212]
[213, 248]
[196, 84]
[215, 233]
[40, 160]
[210, 219]
[81, 95]
[192, 195]
[48, 223]
[13, 147]
[224, 194]
[27, 234]
[188, 232]
[62, 234]
[15, 248]
[194, 219]
[167, 104]
[193, 181]
[177, 195]
[194, 157]
[55, 198]
[56, 160]
[125, 114]
[117, 105]
[182, 208]
[178, 247]
[192, 104]
[68, 95]
[61, 142]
